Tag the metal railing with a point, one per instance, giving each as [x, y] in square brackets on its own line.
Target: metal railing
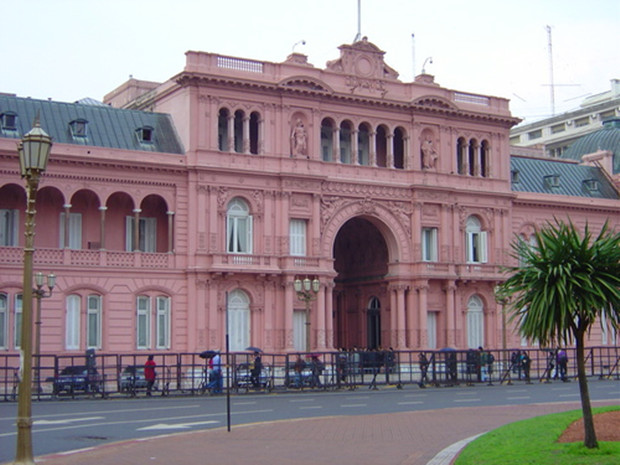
[117, 375]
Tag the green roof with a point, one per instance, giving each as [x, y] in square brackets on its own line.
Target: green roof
[90, 124]
[552, 176]
[606, 138]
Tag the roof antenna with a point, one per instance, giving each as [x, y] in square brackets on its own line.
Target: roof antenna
[358, 37]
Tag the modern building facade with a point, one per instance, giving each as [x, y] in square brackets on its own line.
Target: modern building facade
[556, 134]
[178, 210]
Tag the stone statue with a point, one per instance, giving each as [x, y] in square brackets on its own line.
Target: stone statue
[429, 155]
[299, 139]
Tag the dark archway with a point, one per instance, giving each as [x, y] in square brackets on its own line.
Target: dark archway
[361, 261]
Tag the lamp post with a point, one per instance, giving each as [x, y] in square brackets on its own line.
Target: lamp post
[502, 300]
[307, 291]
[33, 150]
[40, 293]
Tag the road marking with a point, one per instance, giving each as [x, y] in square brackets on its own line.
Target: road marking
[415, 395]
[308, 407]
[353, 405]
[65, 421]
[292, 401]
[244, 403]
[466, 400]
[518, 397]
[570, 395]
[176, 425]
[413, 402]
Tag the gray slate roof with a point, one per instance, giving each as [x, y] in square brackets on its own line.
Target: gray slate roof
[549, 176]
[606, 138]
[106, 126]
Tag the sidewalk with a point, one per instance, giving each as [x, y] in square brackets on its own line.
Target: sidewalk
[407, 438]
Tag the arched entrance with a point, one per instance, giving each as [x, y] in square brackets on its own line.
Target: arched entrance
[360, 295]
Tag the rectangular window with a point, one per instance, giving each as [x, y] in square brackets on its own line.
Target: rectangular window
[94, 322]
[72, 336]
[429, 244]
[431, 329]
[534, 134]
[581, 122]
[143, 322]
[147, 234]
[4, 311]
[75, 231]
[240, 234]
[9, 227]
[558, 128]
[163, 322]
[297, 237]
[18, 321]
[299, 330]
[477, 247]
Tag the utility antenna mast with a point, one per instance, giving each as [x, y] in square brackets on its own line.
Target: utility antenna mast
[413, 53]
[358, 37]
[551, 83]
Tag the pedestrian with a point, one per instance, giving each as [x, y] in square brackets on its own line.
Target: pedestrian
[150, 374]
[299, 368]
[562, 362]
[215, 378]
[423, 369]
[484, 364]
[317, 369]
[257, 367]
[525, 364]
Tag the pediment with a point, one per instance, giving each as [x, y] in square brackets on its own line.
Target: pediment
[305, 83]
[362, 59]
[432, 101]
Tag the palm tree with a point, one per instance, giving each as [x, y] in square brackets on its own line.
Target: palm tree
[563, 284]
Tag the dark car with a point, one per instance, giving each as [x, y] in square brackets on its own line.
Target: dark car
[77, 378]
[132, 378]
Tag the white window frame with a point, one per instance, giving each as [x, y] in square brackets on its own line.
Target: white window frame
[75, 231]
[9, 227]
[72, 322]
[143, 322]
[17, 321]
[238, 227]
[475, 241]
[298, 237]
[299, 330]
[147, 234]
[239, 324]
[4, 318]
[93, 321]
[429, 245]
[163, 322]
[475, 322]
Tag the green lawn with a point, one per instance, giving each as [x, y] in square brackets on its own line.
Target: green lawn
[534, 441]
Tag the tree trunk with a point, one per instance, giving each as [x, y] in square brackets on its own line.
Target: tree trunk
[588, 420]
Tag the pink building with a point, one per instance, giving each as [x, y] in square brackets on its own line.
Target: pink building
[402, 199]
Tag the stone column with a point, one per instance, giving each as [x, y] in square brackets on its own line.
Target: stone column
[67, 208]
[170, 231]
[246, 134]
[136, 229]
[372, 149]
[450, 290]
[355, 147]
[423, 314]
[390, 151]
[102, 211]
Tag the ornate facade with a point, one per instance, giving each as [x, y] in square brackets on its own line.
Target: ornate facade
[398, 197]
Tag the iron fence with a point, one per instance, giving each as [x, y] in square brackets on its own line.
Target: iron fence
[117, 375]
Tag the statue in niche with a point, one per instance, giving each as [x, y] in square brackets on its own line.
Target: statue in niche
[299, 139]
[429, 155]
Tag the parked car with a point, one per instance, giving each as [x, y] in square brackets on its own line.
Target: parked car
[77, 378]
[132, 378]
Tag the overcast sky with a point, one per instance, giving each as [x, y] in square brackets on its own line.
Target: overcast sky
[70, 49]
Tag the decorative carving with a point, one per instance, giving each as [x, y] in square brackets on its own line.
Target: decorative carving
[299, 139]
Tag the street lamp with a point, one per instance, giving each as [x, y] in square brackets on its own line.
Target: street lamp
[33, 150]
[40, 293]
[502, 300]
[307, 290]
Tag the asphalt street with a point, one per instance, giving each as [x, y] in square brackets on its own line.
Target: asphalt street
[67, 424]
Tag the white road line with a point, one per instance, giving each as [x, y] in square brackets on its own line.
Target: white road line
[353, 405]
[308, 407]
[518, 397]
[413, 402]
[576, 394]
[466, 400]
[293, 401]
[415, 395]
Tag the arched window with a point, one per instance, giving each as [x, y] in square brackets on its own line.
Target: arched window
[484, 158]
[254, 132]
[363, 145]
[238, 227]
[472, 157]
[222, 130]
[461, 146]
[238, 131]
[238, 320]
[399, 148]
[475, 241]
[345, 142]
[475, 322]
[327, 140]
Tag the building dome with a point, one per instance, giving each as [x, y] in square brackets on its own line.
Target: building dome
[606, 138]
